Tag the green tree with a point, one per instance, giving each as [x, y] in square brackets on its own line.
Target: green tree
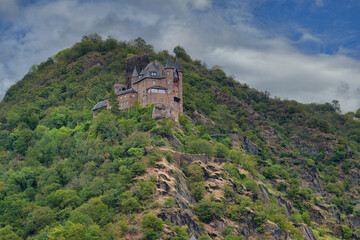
[150, 221]
[347, 234]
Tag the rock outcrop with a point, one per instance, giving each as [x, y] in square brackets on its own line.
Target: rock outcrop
[249, 146]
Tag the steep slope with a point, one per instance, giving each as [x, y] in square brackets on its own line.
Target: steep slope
[238, 165]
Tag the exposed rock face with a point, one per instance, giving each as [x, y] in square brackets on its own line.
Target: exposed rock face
[250, 146]
[307, 232]
[91, 60]
[199, 117]
[282, 202]
[181, 217]
[312, 177]
[160, 112]
[140, 61]
[264, 196]
[349, 152]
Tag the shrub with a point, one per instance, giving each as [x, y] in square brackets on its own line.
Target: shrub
[150, 234]
[282, 186]
[205, 210]
[306, 218]
[200, 146]
[169, 157]
[347, 234]
[150, 221]
[169, 202]
[221, 151]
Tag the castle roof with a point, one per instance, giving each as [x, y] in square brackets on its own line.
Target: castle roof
[135, 73]
[142, 72]
[168, 63]
[177, 65]
[130, 90]
[100, 105]
[154, 70]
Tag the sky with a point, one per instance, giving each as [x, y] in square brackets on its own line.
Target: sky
[306, 50]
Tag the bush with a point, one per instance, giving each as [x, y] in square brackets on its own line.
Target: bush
[306, 218]
[347, 234]
[169, 157]
[205, 210]
[150, 234]
[150, 221]
[200, 146]
[221, 151]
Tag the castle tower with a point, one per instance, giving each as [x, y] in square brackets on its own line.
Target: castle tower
[134, 77]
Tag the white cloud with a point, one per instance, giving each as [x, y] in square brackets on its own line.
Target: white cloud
[9, 8]
[226, 37]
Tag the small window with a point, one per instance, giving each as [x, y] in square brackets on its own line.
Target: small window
[120, 104]
[154, 90]
[153, 74]
[168, 82]
[120, 97]
[168, 73]
[168, 91]
[172, 101]
[162, 91]
[148, 91]
[126, 103]
[153, 83]
[133, 95]
[180, 104]
[125, 96]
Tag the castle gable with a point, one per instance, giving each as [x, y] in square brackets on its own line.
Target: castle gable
[153, 70]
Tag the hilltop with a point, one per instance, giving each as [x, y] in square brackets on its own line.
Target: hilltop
[237, 165]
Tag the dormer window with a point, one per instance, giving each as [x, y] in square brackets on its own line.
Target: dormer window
[153, 74]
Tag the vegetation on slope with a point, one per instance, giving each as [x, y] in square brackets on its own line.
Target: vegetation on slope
[65, 175]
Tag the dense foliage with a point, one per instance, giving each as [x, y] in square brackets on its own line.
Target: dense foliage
[65, 175]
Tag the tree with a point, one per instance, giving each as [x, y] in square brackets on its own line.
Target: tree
[181, 53]
[336, 105]
[7, 233]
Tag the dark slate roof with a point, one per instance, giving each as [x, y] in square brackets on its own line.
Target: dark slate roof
[152, 67]
[130, 90]
[177, 65]
[135, 73]
[142, 72]
[168, 63]
[100, 104]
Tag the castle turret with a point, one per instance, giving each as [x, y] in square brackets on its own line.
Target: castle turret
[134, 77]
[177, 65]
[168, 63]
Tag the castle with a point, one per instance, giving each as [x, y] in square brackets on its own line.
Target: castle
[150, 83]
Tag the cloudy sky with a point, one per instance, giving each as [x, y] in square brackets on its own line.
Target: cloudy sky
[307, 50]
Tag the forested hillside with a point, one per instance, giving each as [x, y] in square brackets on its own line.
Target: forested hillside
[238, 164]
